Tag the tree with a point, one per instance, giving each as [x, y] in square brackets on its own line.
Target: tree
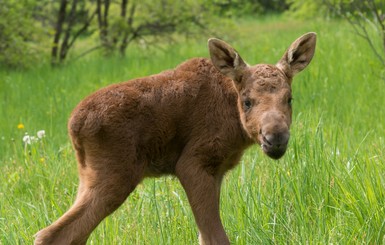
[119, 23]
[28, 26]
[69, 17]
[123, 22]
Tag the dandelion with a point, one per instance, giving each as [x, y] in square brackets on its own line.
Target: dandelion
[42, 159]
[27, 139]
[20, 126]
[41, 134]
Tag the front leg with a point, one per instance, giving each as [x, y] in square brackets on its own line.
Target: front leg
[203, 191]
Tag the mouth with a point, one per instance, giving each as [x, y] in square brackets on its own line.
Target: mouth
[274, 147]
[273, 152]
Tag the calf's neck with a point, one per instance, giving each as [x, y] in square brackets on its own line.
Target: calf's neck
[193, 122]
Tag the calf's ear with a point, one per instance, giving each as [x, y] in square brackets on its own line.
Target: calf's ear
[226, 59]
[298, 55]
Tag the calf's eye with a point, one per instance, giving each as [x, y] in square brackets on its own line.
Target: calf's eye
[290, 101]
[247, 104]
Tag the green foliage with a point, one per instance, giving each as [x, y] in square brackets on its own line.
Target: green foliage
[307, 9]
[356, 6]
[238, 8]
[28, 27]
[21, 37]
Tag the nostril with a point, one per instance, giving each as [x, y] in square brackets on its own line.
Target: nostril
[276, 140]
[266, 141]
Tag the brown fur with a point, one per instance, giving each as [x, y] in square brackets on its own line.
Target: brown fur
[193, 122]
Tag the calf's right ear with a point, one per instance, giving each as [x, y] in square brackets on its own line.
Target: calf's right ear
[226, 59]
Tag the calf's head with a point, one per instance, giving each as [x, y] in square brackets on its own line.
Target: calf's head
[264, 91]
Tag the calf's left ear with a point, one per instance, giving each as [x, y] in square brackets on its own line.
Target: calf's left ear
[298, 55]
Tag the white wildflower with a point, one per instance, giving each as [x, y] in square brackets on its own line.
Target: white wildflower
[27, 139]
[41, 134]
[33, 139]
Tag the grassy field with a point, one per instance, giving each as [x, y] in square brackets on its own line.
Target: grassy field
[329, 188]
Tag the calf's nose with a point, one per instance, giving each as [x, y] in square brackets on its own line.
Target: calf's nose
[274, 135]
[276, 140]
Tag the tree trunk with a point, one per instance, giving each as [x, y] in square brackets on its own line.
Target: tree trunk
[129, 30]
[58, 31]
[102, 14]
[70, 23]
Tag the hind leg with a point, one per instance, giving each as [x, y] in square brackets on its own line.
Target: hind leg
[104, 185]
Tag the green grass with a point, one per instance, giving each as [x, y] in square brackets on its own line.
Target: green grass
[329, 188]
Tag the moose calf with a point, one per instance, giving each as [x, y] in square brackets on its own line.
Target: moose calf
[193, 122]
